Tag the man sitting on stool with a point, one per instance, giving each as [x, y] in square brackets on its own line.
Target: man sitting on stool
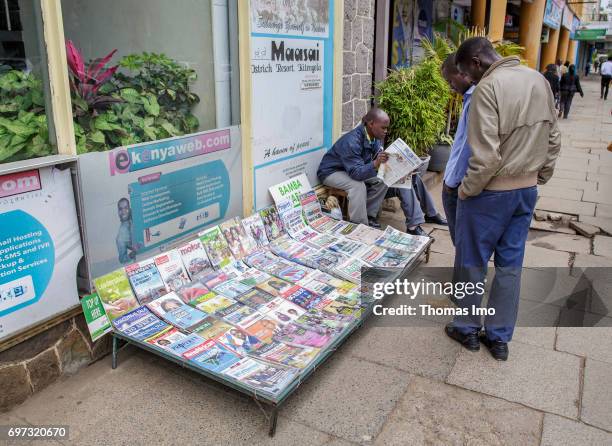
[352, 165]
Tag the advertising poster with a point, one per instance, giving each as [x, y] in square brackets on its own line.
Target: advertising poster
[40, 247]
[553, 12]
[138, 201]
[568, 18]
[292, 91]
[412, 22]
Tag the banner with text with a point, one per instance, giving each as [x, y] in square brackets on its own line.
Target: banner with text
[292, 91]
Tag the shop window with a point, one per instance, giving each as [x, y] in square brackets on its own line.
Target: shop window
[144, 70]
[26, 129]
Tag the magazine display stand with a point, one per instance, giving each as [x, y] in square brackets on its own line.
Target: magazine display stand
[275, 402]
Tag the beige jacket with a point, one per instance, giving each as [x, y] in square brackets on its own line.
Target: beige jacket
[512, 130]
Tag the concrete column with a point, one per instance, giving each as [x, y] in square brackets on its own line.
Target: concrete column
[549, 50]
[479, 10]
[497, 18]
[563, 44]
[530, 31]
[571, 51]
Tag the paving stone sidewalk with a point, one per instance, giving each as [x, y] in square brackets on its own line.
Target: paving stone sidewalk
[400, 385]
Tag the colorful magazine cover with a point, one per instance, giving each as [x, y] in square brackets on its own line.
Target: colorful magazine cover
[185, 317]
[231, 288]
[182, 345]
[115, 293]
[195, 259]
[285, 354]
[171, 269]
[315, 286]
[294, 334]
[212, 303]
[262, 377]
[192, 291]
[239, 341]
[213, 279]
[292, 273]
[311, 206]
[162, 305]
[341, 286]
[146, 281]
[216, 247]
[164, 338]
[256, 299]
[365, 234]
[327, 323]
[260, 258]
[211, 356]
[303, 298]
[273, 225]
[239, 242]
[139, 323]
[274, 286]
[211, 328]
[239, 315]
[342, 308]
[262, 328]
[254, 226]
[253, 277]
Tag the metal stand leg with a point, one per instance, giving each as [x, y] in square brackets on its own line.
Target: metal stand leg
[273, 418]
[427, 254]
[114, 360]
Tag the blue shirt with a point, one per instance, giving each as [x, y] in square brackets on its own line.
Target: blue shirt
[457, 164]
[353, 153]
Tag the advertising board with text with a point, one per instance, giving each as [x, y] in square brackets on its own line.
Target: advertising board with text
[40, 247]
[138, 200]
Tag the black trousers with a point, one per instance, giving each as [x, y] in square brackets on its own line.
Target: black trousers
[605, 83]
[566, 102]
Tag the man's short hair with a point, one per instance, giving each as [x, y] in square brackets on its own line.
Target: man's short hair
[373, 114]
[449, 64]
[472, 47]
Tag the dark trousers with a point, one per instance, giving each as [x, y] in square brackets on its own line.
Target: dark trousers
[605, 83]
[566, 102]
[492, 223]
[416, 202]
[449, 201]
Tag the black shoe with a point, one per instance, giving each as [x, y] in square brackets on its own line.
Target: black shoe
[373, 223]
[437, 219]
[469, 341]
[417, 231]
[498, 349]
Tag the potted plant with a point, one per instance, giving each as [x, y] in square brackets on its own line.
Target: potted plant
[416, 100]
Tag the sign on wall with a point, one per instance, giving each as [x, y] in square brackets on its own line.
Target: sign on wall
[412, 22]
[567, 19]
[40, 247]
[292, 91]
[553, 12]
[138, 200]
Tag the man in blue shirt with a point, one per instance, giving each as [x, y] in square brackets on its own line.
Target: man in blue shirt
[460, 152]
[352, 165]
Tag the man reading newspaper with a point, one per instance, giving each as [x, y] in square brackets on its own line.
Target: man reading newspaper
[352, 165]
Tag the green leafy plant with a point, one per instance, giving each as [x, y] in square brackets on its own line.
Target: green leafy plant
[23, 124]
[416, 100]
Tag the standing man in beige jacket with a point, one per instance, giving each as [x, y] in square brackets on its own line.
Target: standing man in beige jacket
[515, 141]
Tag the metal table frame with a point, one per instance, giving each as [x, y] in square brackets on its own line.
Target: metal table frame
[273, 402]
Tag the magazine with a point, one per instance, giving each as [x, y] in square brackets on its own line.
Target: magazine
[263, 328]
[164, 338]
[171, 269]
[282, 310]
[402, 161]
[182, 345]
[274, 286]
[315, 286]
[327, 323]
[262, 377]
[365, 234]
[260, 259]
[311, 206]
[302, 297]
[256, 299]
[254, 226]
[216, 247]
[292, 273]
[139, 324]
[297, 335]
[185, 317]
[146, 281]
[211, 328]
[344, 309]
[195, 259]
[215, 278]
[115, 293]
[212, 302]
[231, 288]
[394, 239]
[167, 302]
[239, 242]
[253, 277]
[329, 260]
[273, 225]
[212, 356]
[341, 286]
[285, 354]
[239, 315]
[239, 341]
[192, 291]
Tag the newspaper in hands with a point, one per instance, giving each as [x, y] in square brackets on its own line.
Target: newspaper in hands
[401, 164]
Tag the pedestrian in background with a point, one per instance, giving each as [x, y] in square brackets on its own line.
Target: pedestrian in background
[551, 76]
[559, 64]
[596, 66]
[606, 75]
[587, 69]
[569, 85]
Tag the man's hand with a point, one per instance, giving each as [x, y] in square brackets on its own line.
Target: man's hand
[380, 159]
[462, 195]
